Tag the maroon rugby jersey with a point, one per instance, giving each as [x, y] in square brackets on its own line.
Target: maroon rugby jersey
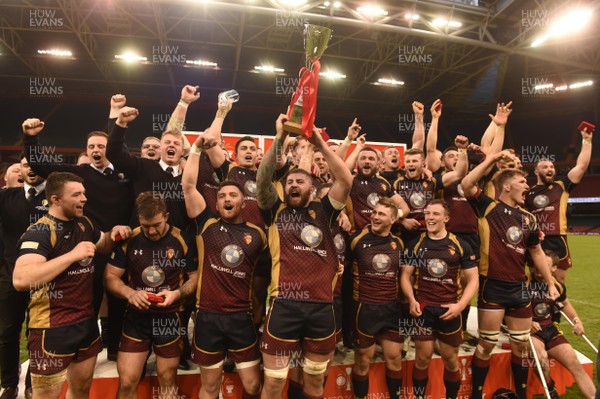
[247, 179]
[462, 217]
[418, 194]
[364, 195]
[339, 239]
[227, 257]
[542, 306]
[304, 256]
[548, 202]
[375, 266]
[155, 266]
[208, 182]
[68, 298]
[438, 265]
[505, 234]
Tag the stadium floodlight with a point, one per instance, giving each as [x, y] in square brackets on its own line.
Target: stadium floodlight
[130, 57]
[442, 22]
[332, 75]
[410, 16]
[544, 86]
[56, 53]
[389, 82]
[579, 85]
[561, 88]
[372, 11]
[268, 69]
[202, 63]
[337, 4]
[572, 22]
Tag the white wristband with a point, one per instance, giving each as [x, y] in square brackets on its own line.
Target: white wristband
[195, 149]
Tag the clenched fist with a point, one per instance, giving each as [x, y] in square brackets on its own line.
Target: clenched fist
[32, 126]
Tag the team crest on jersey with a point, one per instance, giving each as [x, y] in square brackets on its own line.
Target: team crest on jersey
[393, 245]
[451, 249]
[460, 190]
[45, 203]
[541, 201]
[250, 187]
[311, 235]
[170, 253]
[381, 263]
[542, 309]
[215, 178]
[373, 200]
[232, 255]
[437, 267]
[340, 244]
[247, 238]
[153, 276]
[526, 220]
[425, 184]
[383, 187]
[81, 226]
[417, 200]
[514, 235]
[550, 187]
[312, 214]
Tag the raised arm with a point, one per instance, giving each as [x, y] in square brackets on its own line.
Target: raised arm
[42, 160]
[353, 131]
[116, 151]
[266, 193]
[419, 134]
[360, 144]
[499, 121]
[583, 160]
[189, 94]
[216, 154]
[433, 161]
[340, 173]
[462, 165]
[194, 201]
[469, 182]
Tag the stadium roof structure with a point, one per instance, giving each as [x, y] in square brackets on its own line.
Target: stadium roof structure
[470, 53]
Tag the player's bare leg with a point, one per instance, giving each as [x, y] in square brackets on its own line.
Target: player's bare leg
[392, 354]
[79, 378]
[519, 330]
[566, 355]
[420, 374]
[449, 356]
[44, 388]
[211, 382]
[360, 370]
[313, 376]
[166, 370]
[250, 377]
[129, 367]
[489, 328]
[276, 371]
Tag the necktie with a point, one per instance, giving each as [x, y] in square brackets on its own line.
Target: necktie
[107, 171]
[31, 194]
[169, 170]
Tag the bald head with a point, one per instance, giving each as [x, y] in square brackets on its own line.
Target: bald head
[12, 177]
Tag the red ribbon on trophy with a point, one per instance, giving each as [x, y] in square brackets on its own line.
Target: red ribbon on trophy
[307, 89]
[303, 107]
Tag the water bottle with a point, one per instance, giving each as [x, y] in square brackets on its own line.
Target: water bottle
[229, 97]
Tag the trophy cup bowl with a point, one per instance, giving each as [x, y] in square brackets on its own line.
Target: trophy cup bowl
[316, 39]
